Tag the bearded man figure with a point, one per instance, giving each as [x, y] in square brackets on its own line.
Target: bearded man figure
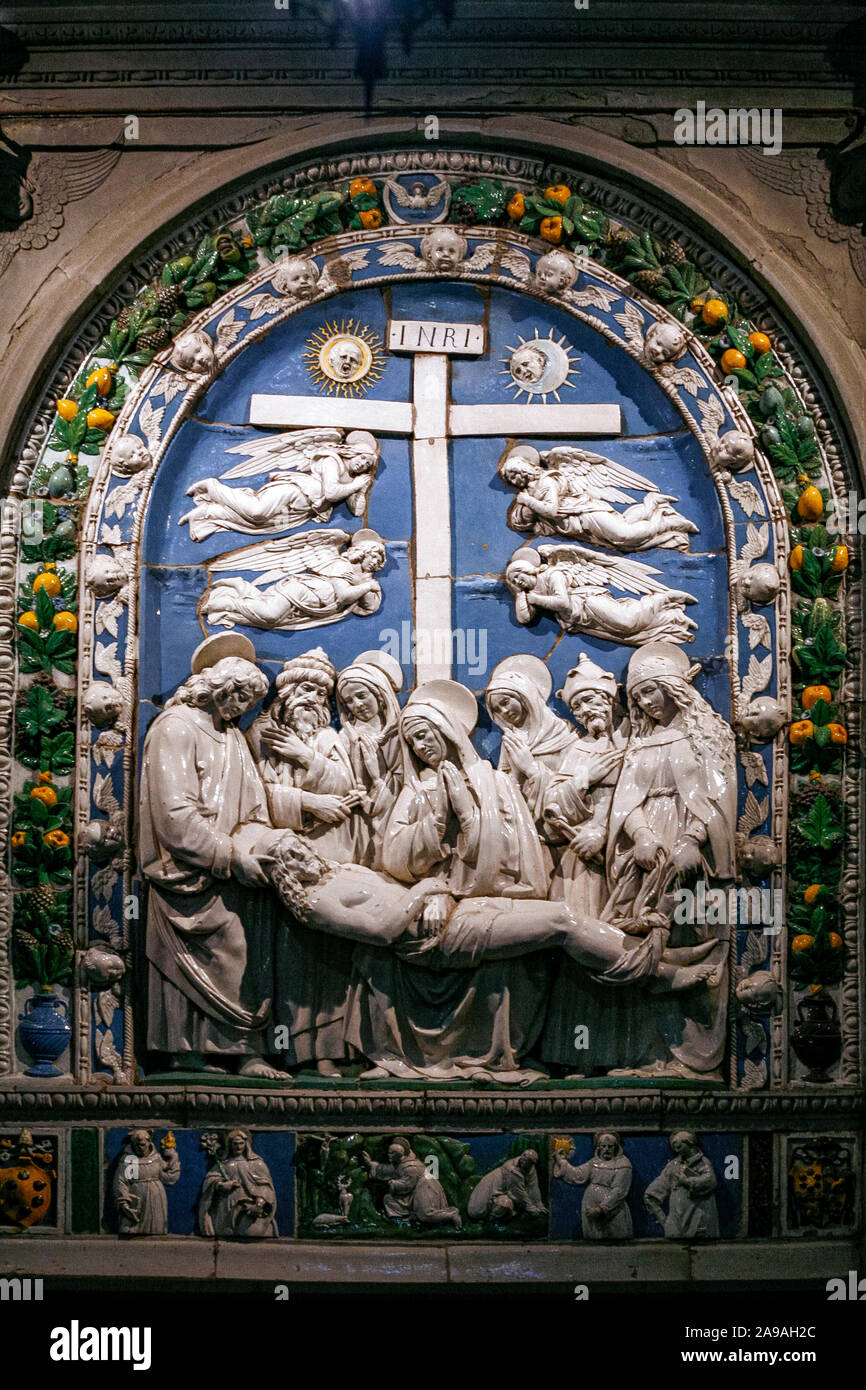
[209, 936]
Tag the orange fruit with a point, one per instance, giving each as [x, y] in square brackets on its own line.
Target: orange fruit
[840, 559]
[813, 693]
[65, 621]
[760, 342]
[796, 560]
[49, 581]
[47, 795]
[361, 185]
[801, 943]
[517, 207]
[714, 312]
[815, 776]
[558, 193]
[696, 305]
[838, 733]
[43, 777]
[835, 941]
[67, 410]
[29, 620]
[102, 377]
[800, 731]
[551, 229]
[19, 839]
[812, 892]
[371, 218]
[99, 419]
[732, 360]
[810, 504]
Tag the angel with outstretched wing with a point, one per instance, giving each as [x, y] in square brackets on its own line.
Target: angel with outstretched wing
[567, 491]
[573, 585]
[301, 581]
[418, 198]
[309, 472]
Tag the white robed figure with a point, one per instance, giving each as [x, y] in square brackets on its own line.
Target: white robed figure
[673, 813]
[209, 932]
[370, 729]
[237, 1195]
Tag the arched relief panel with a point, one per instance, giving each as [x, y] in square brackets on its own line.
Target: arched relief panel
[260, 345]
[137, 628]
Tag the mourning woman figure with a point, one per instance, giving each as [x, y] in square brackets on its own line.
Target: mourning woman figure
[237, 1196]
[369, 727]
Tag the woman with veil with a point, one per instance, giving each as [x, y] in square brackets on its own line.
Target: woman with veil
[673, 816]
[535, 741]
[369, 728]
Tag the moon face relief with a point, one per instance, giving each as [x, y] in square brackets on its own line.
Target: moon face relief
[344, 359]
[540, 366]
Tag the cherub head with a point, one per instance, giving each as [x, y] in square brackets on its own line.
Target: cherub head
[663, 343]
[734, 451]
[554, 272]
[193, 353]
[522, 573]
[443, 249]
[297, 277]
[128, 455]
[521, 467]
[102, 704]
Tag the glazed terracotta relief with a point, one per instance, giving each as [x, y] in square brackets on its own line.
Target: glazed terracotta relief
[430, 661]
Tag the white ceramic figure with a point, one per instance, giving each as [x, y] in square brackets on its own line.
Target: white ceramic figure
[345, 1198]
[555, 272]
[664, 342]
[369, 726]
[566, 491]
[604, 1213]
[572, 585]
[418, 197]
[140, 1179]
[309, 472]
[237, 1196]
[673, 818]
[303, 581]
[311, 789]
[411, 1193]
[507, 1192]
[535, 741]
[128, 455]
[296, 277]
[193, 355]
[688, 1184]
[105, 576]
[734, 452]
[103, 704]
[209, 933]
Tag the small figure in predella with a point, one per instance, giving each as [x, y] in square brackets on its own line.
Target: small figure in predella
[566, 491]
[309, 472]
[311, 789]
[303, 581]
[508, 1192]
[237, 1196]
[573, 584]
[345, 1198]
[604, 1213]
[209, 925]
[140, 1179]
[688, 1184]
[412, 1193]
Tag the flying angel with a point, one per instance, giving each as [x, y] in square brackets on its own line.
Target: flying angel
[568, 491]
[309, 472]
[304, 581]
[573, 585]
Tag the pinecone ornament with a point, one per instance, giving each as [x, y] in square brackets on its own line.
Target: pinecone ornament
[620, 237]
[168, 297]
[647, 279]
[26, 939]
[673, 253]
[43, 897]
[155, 339]
[63, 939]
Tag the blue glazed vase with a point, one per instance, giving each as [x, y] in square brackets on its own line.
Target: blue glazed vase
[45, 1032]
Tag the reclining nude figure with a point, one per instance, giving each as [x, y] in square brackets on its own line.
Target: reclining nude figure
[359, 903]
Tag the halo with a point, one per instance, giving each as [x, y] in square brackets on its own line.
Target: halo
[321, 344]
[457, 699]
[384, 660]
[560, 366]
[214, 649]
[523, 664]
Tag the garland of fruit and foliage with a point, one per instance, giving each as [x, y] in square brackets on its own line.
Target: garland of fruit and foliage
[289, 223]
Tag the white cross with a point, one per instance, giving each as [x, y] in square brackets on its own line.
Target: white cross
[430, 420]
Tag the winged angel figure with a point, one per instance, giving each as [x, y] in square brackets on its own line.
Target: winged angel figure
[568, 491]
[573, 585]
[309, 472]
[302, 581]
